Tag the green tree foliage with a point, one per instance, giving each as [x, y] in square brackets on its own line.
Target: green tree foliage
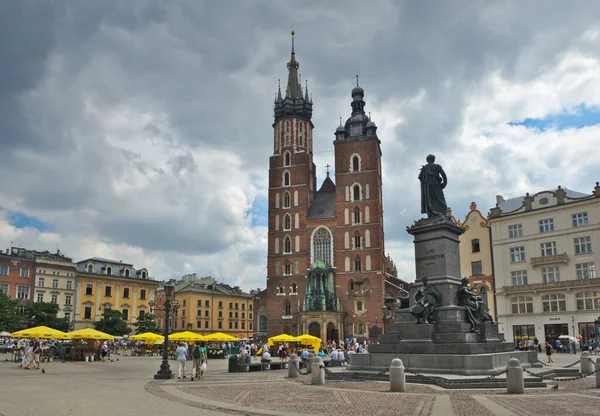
[45, 313]
[146, 324]
[112, 323]
[10, 320]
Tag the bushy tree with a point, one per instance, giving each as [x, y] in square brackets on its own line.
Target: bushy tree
[112, 323]
[146, 323]
[10, 320]
[45, 314]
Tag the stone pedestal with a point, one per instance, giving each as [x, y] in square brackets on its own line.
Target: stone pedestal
[448, 346]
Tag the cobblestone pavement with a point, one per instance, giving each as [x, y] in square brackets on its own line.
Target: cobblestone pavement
[127, 386]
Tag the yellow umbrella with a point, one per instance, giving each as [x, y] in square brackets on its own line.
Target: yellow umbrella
[220, 336]
[311, 340]
[148, 337]
[186, 336]
[40, 332]
[283, 338]
[89, 333]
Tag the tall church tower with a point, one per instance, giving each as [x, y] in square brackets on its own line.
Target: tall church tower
[291, 192]
[360, 253]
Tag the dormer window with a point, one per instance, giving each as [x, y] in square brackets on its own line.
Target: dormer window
[90, 268]
[126, 272]
[144, 275]
[109, 270]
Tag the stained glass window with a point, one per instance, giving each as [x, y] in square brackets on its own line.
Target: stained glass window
[322, 246]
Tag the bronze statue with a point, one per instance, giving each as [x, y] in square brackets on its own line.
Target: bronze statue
[426, 299]
[476, 310]
[433, 181]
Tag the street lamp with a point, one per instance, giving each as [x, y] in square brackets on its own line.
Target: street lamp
[164, 372]
[384, 310]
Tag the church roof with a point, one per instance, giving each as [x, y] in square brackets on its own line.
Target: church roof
[328, 185]
[323, 206]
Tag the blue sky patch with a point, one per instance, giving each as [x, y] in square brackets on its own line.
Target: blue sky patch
[258, 212]
[581, 116]
[20, 220]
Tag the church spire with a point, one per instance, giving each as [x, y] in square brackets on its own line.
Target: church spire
[293, 86]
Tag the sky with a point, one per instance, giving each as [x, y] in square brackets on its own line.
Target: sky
[141, 130]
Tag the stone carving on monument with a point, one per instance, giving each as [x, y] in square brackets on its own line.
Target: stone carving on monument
[460, 337]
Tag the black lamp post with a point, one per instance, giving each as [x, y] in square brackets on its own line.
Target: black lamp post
[384, 310]
[164, 373]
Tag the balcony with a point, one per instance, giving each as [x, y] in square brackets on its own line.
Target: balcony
[556, 258]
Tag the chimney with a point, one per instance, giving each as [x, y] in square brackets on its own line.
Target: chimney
[499, 198]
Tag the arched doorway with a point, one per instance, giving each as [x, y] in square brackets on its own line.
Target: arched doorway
[332, 332]
[314, 329]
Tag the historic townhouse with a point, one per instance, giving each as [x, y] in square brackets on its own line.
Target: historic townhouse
[17, 274]
[327, 272]
[104, 283]
[546, 247]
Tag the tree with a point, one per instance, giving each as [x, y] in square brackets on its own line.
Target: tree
[45, 313]
[10, 320]
[112, 323]
[146, 324]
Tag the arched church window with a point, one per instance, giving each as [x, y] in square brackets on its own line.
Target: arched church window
[287, 244]
[287, 133]
[355, 163]
[322, 246]
[357, 264]
[286, 199]
[351, 285]
[288, 268]
[356, 215]
[287, 159]
[280, 289]
[301, 134]
[262, 323]
[357, 243]
[287, 308]
[286, 178]
[294, 288]
[287, 222]
[356, 193]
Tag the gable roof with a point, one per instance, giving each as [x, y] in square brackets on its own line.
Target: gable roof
[323, 206]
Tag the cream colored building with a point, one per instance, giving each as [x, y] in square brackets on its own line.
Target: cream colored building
[55, 282]
[545, 248]
[476, 255]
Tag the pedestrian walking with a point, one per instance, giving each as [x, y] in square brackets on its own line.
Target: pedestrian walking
[181, 353]
[549, 351]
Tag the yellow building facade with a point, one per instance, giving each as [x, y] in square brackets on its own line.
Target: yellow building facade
[476, 255]
[206, 306]
[103, 283]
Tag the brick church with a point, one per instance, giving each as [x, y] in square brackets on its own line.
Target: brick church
[327, 272]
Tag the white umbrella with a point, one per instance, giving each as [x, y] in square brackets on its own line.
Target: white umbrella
[4, 334]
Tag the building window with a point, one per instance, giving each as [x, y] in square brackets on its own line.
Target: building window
[355, 163]
[519, 277]
[205, 324]
[54, 299]
[89, 287]
[554, 303]
[522, 304]
[551, 274]
[68, 316]
[517, 254]
[287, 268]
[322, 246]
[287, 245]
[294, 289]
[40, 297]
[230, 325]
[54, 283]
[236, 315]
[143, 295]
[548, 249]
[587, 300]
[286, 178]
[126, 293]
[144, 275]
[476, 268]
[206, 313]
[359, 306]
[583, 245]
[356, 193]
[357, 240]
[87, 312]
[125, 315]
[3, 270]
[220, 324]
[126, 272]
[287, 308]
[4, 288]
[523, 333]
[515, 231]
[90, 268]
[287, 222]
[585, 271]
[230, 305]
[69, 284]
[67, 299]
[220, 304]
[280, 290]
[108, 291]
[356, 215]
[287, 159]
[286, 199]
[24, 272]
[475, 248]
[22, 292]
[109, 270]
[41, 282]
[546, 225]
[581, 219]
[357, 264]
[351, 286]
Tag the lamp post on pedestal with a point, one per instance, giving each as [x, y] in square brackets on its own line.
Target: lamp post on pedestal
[384, 310]
[164, 372]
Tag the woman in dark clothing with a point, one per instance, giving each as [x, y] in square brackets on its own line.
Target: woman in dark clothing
[549, 351]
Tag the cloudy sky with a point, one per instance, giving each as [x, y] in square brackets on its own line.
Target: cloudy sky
[141, 130]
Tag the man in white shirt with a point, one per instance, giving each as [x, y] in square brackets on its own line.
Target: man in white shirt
[334, 355]
[266, 359]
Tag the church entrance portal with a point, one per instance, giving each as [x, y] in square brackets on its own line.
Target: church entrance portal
[314, 329]
[332, 332]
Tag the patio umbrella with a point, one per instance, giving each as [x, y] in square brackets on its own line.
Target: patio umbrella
[4, 334]
[89, 333]
[40, 332]
[283, 338]
[186, 336]
[148, 337]
[311, 340]
[220, 336]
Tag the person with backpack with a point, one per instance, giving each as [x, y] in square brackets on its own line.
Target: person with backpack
[199, 360]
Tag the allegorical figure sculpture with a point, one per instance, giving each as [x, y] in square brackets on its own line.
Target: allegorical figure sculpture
[433, 181]
[476, 309]
[425, 301]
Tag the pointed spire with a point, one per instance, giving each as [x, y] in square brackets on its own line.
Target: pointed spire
[279, 98]
[357, 81]
[306, 91]
[340, 122]
[293, 86]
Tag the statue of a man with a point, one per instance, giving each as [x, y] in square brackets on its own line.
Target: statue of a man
[433, 181]
[476, 310]
[426, 299]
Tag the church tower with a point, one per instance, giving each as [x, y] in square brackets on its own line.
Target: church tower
[291, 192]
[360, 253]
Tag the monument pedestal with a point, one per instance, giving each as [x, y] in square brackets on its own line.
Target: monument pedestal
[447, 346]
